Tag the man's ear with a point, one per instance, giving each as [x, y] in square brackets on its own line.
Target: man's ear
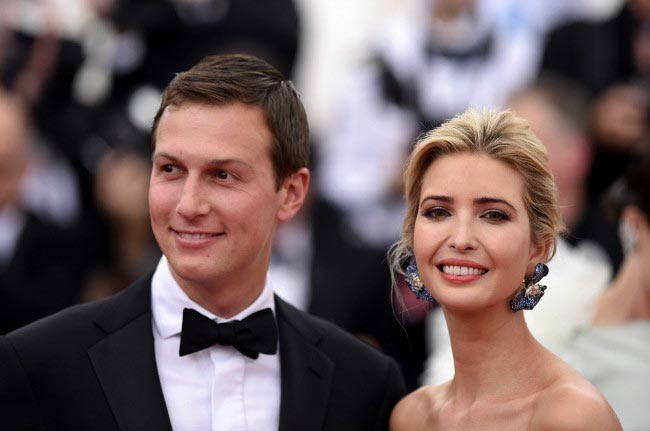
[293, 194]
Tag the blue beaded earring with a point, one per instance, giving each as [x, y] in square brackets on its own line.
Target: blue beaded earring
[415, 283]
[529, 295]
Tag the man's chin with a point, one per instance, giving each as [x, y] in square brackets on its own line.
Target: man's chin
[194, 273]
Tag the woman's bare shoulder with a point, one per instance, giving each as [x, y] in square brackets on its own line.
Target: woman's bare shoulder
[416, 411]
[573, 403]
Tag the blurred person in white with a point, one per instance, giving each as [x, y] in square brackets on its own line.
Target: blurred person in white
[436, 59]
[556, 110]
[614, 351]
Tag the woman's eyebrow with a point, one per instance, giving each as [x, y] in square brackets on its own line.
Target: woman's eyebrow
[491, 200]
[439, 198]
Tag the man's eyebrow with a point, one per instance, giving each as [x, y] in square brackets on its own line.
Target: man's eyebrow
[156, 155]
[214, 162]
[230, 161]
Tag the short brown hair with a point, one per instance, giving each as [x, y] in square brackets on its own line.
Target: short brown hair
[501, 136]
[221, 79]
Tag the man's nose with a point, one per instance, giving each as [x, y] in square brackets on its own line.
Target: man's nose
[192, 201]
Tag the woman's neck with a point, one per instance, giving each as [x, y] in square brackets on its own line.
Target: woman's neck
[495, 356]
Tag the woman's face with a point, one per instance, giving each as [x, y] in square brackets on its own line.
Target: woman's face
[472, 239]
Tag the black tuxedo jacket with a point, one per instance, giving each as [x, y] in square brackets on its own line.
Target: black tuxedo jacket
[92, 367]
[44, 274]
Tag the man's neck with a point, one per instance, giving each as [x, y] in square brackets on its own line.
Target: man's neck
[224, 299]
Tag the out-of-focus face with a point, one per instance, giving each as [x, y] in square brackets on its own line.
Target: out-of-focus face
[450, 9]
[213, 198]
[472, 239]
[640, 8]
[13, 151]
[569, 152]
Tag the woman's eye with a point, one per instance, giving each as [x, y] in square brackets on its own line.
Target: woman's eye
[494, 215]
[435, 213]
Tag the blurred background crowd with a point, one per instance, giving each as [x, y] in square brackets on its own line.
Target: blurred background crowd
[80, 81]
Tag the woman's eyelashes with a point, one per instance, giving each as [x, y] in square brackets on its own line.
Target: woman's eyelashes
[435, 213]
[439, 213]
[495, 216]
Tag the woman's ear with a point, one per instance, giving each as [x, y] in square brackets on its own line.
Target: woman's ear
[294, 192]
[539, 252]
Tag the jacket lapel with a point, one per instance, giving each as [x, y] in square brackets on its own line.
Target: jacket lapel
[306, 372]
[125, 361]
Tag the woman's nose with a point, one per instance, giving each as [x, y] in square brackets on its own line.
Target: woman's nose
[462, 237]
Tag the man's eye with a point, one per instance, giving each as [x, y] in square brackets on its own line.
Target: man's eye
[167, 168]
[223, 175]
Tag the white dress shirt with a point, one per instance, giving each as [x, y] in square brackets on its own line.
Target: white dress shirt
[215, 389]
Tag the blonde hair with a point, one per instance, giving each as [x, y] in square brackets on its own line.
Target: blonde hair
[501, 136]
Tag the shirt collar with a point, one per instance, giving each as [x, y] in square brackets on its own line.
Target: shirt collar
[168, 301]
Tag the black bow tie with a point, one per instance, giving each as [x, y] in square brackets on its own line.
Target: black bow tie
[253, 335]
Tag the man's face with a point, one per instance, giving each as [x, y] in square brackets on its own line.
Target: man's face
[213, 198]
